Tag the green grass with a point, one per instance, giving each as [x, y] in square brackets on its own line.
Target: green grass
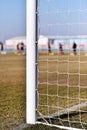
[40, 127]
[12, 91]
[63, 90]
[57, 95]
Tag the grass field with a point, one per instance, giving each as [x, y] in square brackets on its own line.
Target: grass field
[63, 89]
[12, 91]
[62, 85]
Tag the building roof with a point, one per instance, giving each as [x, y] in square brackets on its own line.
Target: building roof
[17, 38]
[49, 37]
[67, 37]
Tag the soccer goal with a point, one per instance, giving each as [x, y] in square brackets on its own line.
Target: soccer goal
[56, 92]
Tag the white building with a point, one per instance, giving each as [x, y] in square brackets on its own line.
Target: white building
[43, 42]
[11, 44]
[66, 41]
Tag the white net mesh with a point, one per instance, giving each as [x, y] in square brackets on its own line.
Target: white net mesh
[63, 70]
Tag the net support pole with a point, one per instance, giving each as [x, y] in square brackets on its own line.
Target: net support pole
[31, 66]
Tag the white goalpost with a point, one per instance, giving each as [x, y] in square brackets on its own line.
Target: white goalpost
[31, 61]
[56, 72]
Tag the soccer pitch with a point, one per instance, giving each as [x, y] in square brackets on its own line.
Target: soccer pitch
[63, 85]
[12, 91]
[13, 88]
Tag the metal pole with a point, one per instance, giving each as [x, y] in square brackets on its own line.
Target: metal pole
[31, 61]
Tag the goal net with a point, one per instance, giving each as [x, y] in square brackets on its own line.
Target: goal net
[62, 63]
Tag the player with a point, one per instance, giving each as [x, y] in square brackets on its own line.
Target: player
[74, 48]
[49, 50]
[18, 46]
[22, 46]
[1, 46]
[60, 49]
